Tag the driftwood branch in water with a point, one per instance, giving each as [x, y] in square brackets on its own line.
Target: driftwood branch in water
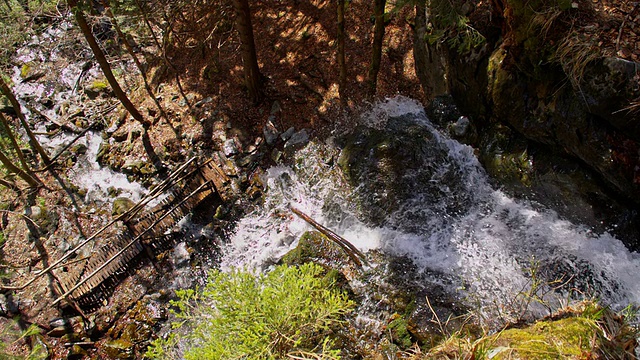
[355, 254]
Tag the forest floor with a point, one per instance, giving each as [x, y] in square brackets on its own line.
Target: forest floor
[295, 43]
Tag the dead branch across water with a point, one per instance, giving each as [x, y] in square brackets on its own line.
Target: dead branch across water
[356, 256]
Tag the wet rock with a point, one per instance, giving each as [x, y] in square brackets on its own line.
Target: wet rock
[378, 161]
[181, 255]
[287, 134]
[230, 147]
[75, 326]
[245, 161]
[276, 155]
[8, 304]
[119, 349]
[296, 142]
[77, 352]
[464, 131]
[525, 169]
[270, 131]
[137, 167]
[313, 246]
[121, 205]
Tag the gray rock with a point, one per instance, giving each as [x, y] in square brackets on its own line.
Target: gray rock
[270, 131]
[275, 107]
[204, 101]
[230, 148]
[296, 141]
[287, 134]
[181, 255]
[461, 127]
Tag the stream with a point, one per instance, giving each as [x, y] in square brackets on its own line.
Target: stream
[438, 215]
[486, 253]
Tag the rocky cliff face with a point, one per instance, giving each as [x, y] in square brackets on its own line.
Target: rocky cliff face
[555, 115]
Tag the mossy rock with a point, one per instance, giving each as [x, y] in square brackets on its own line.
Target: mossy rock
[571, 333]
[313, 246]
[570, 338]
[121, 205]
[392, 166]
[398, 330]
[119, 349]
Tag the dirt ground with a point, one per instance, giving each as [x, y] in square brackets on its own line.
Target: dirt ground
[296, 49]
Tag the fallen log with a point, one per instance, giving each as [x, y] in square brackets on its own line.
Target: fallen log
[354, 254]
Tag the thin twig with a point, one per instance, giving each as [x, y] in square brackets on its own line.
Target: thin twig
[620, 34]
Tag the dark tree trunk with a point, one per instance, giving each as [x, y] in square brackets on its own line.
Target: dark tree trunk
[16, 170]
[342, 82]
[16, 147]
[129, 48]
[376, 54]
[102, 61]
[427, 58]
[252, 76]
[35, 145]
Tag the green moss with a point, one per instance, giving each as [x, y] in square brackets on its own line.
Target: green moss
[399, 331]
[25, 71]
[581, 332]
[314, 246]
[565, 338]
[99, 84]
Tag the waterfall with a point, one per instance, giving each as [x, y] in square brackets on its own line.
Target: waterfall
[489, 252]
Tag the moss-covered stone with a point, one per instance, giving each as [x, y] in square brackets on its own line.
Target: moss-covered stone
[313, 246]
[119, 349]
[398, 331]
[567, 338]
[121, 205]
[572, 333]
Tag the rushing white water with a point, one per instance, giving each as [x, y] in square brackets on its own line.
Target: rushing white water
[64, 92]
[487, 252]
[98, 180]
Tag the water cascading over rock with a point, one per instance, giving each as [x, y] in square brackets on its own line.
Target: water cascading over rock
[423, 207]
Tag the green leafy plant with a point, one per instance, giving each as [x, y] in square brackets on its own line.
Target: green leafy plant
[289, 312]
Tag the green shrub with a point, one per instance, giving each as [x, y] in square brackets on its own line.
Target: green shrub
[289, 311]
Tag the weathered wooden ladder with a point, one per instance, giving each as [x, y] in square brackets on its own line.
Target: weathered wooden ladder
[89, 282]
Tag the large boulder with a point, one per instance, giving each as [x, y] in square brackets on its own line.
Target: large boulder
[400, 163]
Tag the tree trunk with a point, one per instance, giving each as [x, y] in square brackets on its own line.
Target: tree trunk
[35, 145]
[102, 61]
[129, 48]
[16, 170]
[16, 147]
[427, 59]
[252, 76]
[376, 54]
[342, 82]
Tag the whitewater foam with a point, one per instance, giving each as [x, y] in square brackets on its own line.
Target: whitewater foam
[490, 252]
